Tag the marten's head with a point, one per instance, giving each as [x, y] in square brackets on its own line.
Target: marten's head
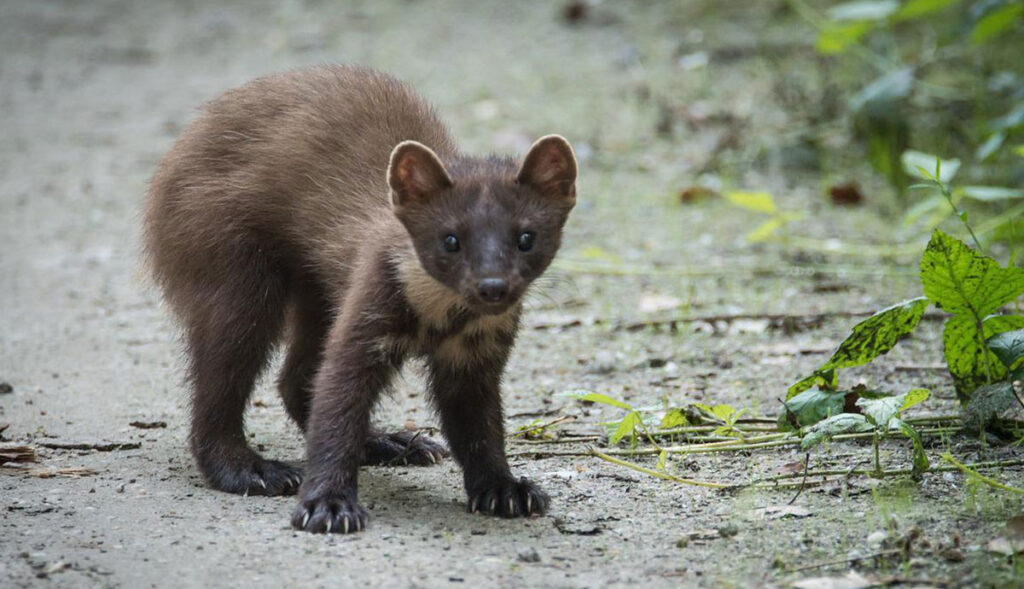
[484, 228]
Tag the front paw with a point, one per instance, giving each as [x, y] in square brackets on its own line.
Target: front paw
[509, 498]
[329, 513]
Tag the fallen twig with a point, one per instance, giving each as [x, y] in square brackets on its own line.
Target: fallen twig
[828, 563]
[17, 453]
[98, 446]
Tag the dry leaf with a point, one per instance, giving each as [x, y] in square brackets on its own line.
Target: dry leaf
[17, 453]
[72, 472]
[790, 468]
[852, 580]
[1012, 542]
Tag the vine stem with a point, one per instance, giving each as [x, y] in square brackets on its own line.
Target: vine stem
[657, 473]
[947, 457]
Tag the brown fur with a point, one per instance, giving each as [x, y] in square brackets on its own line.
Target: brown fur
[308, 204]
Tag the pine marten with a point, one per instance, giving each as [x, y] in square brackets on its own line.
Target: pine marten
[331, 208]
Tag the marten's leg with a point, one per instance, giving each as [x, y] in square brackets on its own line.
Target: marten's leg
[309, 321]
[400, 448]
[233, 318]
[469, 402]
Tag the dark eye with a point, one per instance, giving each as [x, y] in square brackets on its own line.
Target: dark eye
[526, 241]
[451, 243]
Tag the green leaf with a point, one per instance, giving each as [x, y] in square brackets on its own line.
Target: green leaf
[881, 411]
[760, 202]
[662, 458]
[877, 334]
[920, 459]
[825, 379]
[889, 88]
[674, 418]
[996, 22]
[837, 37]
[960, 280]
[1008, 347]
[599, 398]
[1019, 150]
[970, 361]
[770, 227]
[991, 193]
[833, 426]
[914, 397]
[922, 165]
[991, 145]
[723, 411]
[863, 10]
[625, 428]
[987, 403]
[916, 8]
[810, 407]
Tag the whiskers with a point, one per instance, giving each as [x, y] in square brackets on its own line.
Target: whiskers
[552, 290]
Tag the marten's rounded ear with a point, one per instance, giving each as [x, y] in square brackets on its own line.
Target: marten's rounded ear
[415, 173]
[550, 168]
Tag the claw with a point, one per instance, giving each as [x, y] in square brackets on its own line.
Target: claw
[473, 504]
[344, 525]
[262, 483]
[305, 519]
[511, 507]
[493, 504]
[361, 524]
[327, 526]
[529, 503]
[430, 455]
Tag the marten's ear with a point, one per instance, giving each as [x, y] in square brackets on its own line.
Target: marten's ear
[415, 173]
[550, 168]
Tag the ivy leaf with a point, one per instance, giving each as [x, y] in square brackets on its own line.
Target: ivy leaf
[960, 280]
[810, 407]
[833, 426]
[825, 379]
[883, 411]
[970, 361]
[674, 418]
[877, 334]
[1008, 347]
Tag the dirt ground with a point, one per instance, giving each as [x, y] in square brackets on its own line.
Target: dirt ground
[92, 94]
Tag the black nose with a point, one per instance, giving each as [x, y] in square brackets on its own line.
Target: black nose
[493, 290]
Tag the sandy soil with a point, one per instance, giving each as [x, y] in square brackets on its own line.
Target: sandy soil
[91, 94]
